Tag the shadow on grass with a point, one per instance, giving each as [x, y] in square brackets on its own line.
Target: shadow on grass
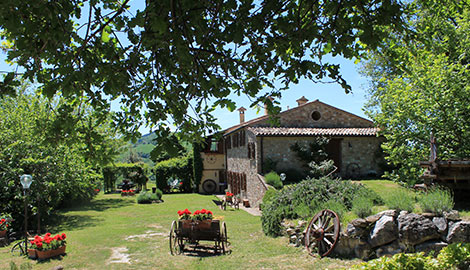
[100, 205]
[55, 258]
[59, 223]
[203, 251]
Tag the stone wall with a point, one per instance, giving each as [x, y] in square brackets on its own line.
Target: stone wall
[391, 232]
[330, 117]
[354, 150]
[238, 161]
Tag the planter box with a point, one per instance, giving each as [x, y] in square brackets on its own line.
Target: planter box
[50, 253]
[3, 233]
[32, 254]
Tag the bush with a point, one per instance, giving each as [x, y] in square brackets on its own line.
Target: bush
[274, 180]
[362, 206]
[436, 200]
[147, 197]
[454, 256]
[308, 197]
[401, 200]
[269, 195]
[178, 168]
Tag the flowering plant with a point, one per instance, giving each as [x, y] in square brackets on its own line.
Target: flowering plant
[202, 214]
[128, 190]
[47, 242]
[228, 194]
[184, 214]
[4, 222]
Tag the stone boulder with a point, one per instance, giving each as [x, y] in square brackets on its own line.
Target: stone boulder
[415, 229]
[431, 247]
[390, 249]
[358, 228]
[452, 215]
[376, 217]
[459, 232]
[385, 231]
[441, 224]
[348, 246]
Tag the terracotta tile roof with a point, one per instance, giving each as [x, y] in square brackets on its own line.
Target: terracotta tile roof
[285, 131]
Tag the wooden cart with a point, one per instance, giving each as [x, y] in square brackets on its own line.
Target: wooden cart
[186, 234]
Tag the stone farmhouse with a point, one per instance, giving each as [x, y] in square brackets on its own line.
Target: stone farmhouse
[236, 162]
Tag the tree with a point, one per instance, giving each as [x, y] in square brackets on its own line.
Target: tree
[175, 61]
[63, 170]
[420, 84]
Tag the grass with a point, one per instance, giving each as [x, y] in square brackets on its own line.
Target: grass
[95, 229]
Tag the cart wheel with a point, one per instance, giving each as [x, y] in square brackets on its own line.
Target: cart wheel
[174, 243]
[322, 233]
[223, 238]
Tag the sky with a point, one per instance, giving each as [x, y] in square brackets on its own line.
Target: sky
[329, 93]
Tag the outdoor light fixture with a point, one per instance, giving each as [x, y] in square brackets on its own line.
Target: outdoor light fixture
[283, 176]
[26, 181]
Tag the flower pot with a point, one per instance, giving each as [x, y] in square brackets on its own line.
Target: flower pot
[45, 254]
[32, 253]
[204, 224]
[3, 233]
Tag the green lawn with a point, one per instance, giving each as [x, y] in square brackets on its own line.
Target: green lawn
[141, 231]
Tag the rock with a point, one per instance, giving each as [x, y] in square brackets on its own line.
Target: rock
[352, 247]
[415, 229]
[429, 215]
[359, 222]
[390, 249]
[431, 247]
[290, 231]
[441, 224]
[452, 215]
[301, 223]
[459, 232]
[293, 239]
[385, 231]
[356, 232]
[374, 218]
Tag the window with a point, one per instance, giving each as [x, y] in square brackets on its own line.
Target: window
[316, 115]
[251, 150]
[235, 140]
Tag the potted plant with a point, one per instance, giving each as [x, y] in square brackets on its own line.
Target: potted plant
[203, 218]
[47, 246]
[185, 218]
[228, 196]
[5, 220]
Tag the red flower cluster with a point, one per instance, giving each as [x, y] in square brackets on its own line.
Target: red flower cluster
[202, 214]
[4, 223]
[128, 191]
[228, 194]
[184, 214]
[47, 242]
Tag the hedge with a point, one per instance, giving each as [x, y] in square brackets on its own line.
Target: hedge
[180, 168]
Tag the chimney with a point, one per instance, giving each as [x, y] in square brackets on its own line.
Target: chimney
[266, 106]
[242, 114]
[302, 101]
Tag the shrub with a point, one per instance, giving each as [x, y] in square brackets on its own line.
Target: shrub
[308, 197]
[401, 200]
[147, 197]
[362, 206]
[436, 200]
[274, 180]
[269, 195]
[454, 256]
[178, 168]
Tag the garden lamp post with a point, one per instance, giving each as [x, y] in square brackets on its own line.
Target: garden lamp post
[26, 181]
[282, 176]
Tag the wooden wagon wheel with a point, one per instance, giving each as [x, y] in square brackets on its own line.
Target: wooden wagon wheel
[175, 242]
[223, 238]
[322, 233]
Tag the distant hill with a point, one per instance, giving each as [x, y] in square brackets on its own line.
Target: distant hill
[140, 151]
